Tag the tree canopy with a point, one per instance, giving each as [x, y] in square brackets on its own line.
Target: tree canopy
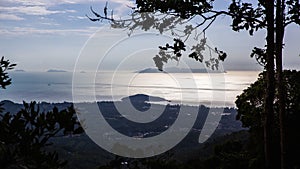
[272, 16]
[250, 111]
[5, 65]
[25, 134]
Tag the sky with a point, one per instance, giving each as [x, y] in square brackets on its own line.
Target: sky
[51, 34]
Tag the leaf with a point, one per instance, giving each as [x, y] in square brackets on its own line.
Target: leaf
[158, 62]
[251, 32]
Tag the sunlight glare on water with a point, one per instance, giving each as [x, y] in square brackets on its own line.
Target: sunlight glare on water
[195, 89]
[174, 85]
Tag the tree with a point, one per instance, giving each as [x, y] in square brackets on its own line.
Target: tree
[158, 162]
[24, 135]
[5, 65]
[245, 16]
[250, 106]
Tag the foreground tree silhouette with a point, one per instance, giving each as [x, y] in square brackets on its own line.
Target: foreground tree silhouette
[5, 66]
[250, 106]
[24, 135]
[245, 16]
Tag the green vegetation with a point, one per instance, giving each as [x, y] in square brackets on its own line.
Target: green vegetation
[271, 16]
[5, 65]
[25, 135]
[242, 149]
[250, 112]
[269, 108]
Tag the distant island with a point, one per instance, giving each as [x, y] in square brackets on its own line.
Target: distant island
[142, 98]
[178, 70]
[55, 70]
[20, 70]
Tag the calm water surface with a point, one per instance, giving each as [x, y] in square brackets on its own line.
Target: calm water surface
[214, 89]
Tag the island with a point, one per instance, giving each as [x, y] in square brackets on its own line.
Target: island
[20, 70]
[179, 70]
[55, 70]
[79, 149]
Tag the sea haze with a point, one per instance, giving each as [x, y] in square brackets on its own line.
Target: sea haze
[211, 89]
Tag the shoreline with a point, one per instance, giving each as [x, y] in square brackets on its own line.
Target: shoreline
[103, 101]
[67, 147]
[57, 87]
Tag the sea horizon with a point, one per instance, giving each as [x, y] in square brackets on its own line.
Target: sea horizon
[179, 88]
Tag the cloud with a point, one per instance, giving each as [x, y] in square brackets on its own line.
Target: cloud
[50, 24]
[36, 7]
[41, 11]
[81, 17]
[25, 2]
[41, 7]
[77, 18]
[23, 31]
[30, 10]
[59, 2]
[10, 17]
[70, 11]
[120, 8]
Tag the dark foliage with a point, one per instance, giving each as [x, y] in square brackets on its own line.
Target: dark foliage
[168, 14]
[245, 15]
[184, 9]
[25, 134]
[154, 15]
[164, 161]
[5, 65]
[250, 110]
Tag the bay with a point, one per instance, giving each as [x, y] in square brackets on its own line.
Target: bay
[210, 89]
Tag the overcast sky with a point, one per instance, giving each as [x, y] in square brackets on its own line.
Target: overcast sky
[43, 34]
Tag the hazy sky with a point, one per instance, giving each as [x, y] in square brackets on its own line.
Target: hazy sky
[44, 34]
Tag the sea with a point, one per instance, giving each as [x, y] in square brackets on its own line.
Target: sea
[210, 89]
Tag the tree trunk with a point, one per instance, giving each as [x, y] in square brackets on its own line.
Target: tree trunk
[281, 89]
[270, 88]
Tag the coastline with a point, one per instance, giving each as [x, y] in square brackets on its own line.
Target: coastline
[196, 89]
[84, 148]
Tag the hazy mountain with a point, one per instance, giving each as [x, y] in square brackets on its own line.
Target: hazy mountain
[178, 70]
[56, 70]
[20, 70]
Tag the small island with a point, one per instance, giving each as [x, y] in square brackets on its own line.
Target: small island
[178, 70]
[55, 70]
[142, 98]
[20, 70]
